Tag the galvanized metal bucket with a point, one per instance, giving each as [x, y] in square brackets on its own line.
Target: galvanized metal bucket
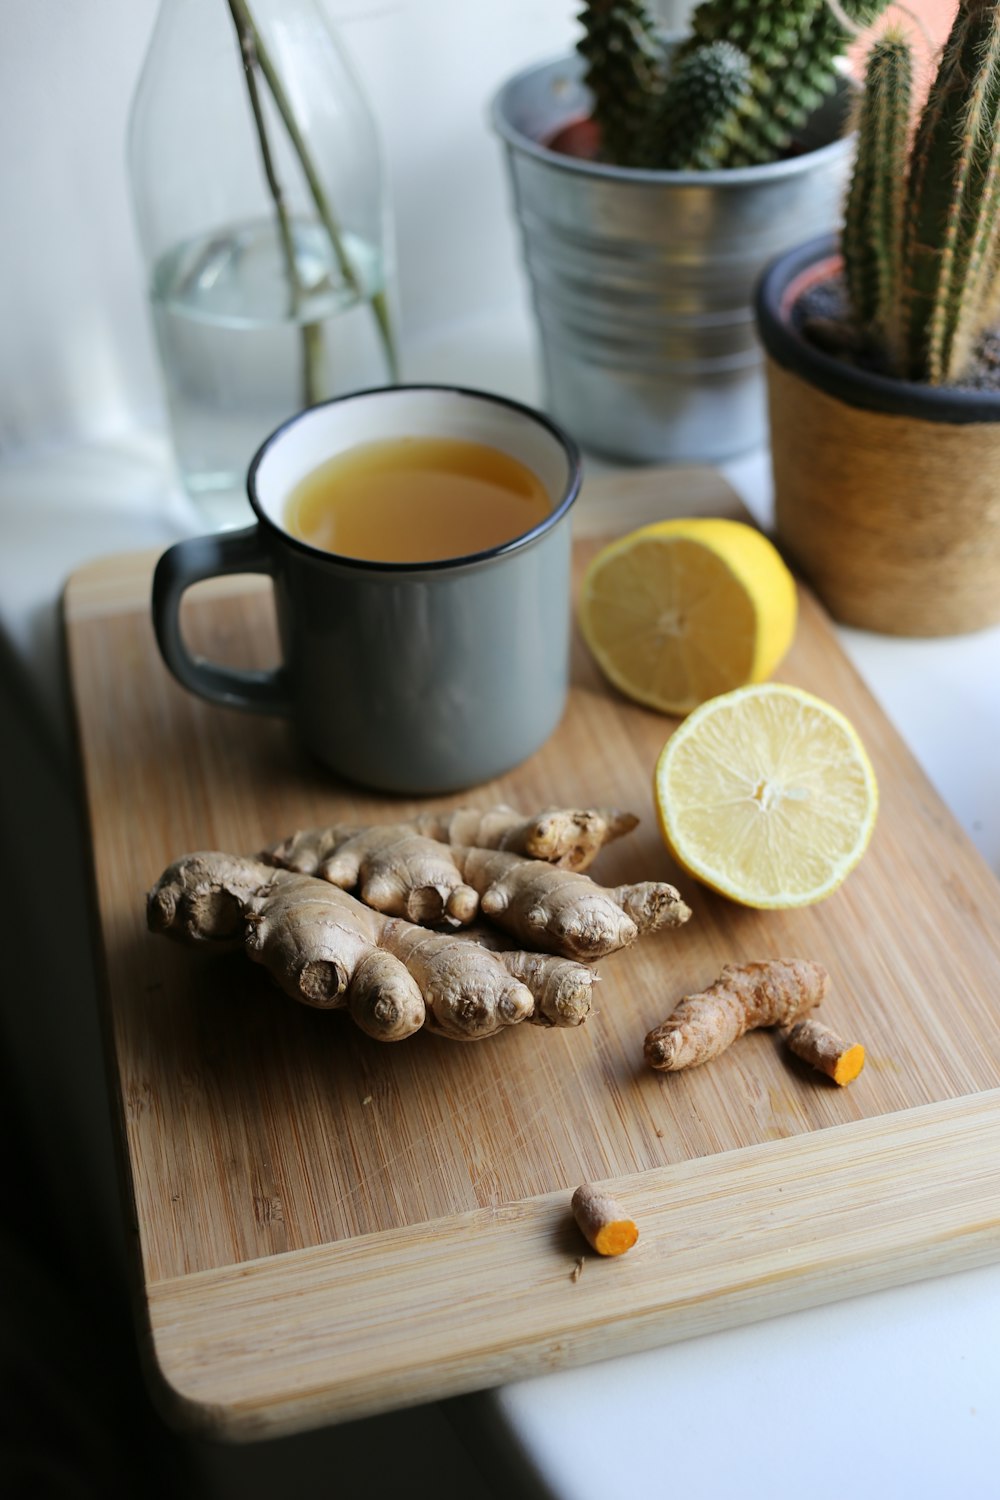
[643, 281]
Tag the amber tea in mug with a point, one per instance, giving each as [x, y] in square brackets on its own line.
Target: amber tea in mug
[416, 499]
[414, 676]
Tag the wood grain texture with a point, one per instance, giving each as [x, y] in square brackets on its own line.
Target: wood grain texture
[299, 1189]
[722, 1242]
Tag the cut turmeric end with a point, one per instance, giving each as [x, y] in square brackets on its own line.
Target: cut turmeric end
[823, 1049]
[849, 1065]
[616, 1238]
[602, 1222]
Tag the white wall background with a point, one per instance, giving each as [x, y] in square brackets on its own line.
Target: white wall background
[76, 356]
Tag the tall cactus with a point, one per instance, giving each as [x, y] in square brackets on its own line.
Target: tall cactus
[953, 202]
[872, 238]
[624, 62]
[688, 131]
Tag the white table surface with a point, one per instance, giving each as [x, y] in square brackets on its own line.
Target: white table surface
[895, 1393]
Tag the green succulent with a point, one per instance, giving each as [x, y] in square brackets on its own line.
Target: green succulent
[742, 113]
[624, 74]
[793, 47]
[688, 130]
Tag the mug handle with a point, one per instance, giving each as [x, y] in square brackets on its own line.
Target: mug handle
[178, 568]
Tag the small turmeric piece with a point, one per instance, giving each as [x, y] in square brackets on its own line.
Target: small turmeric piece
[824, 1049]
[603, 1223]
[772, 992]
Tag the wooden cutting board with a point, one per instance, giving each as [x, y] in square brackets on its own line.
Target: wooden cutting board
[327, 1227]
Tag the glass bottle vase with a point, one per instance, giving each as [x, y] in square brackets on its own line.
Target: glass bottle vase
[258, 196]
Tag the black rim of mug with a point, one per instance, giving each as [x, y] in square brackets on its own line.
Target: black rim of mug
[574, 466]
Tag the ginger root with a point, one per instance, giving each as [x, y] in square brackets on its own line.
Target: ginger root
[401, 872]
[326, 949]
[292, 911]
[605, 1226]
[817, 1045]
[202, 898]
[569, 837]
[564, 912]
[391, 867]
[774, 992]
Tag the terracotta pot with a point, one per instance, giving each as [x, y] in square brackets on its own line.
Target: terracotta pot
[887, 493]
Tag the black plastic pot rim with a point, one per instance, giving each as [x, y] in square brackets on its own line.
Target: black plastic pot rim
[778, 290]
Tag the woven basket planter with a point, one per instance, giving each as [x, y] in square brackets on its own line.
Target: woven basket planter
[886, 493]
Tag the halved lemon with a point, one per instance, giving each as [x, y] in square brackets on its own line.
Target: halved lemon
[680, 611]
[767, 795]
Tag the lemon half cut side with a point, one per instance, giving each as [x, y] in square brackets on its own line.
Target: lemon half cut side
[680, 611]
[767, 795]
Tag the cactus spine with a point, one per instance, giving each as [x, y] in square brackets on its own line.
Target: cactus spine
[707, 84]
[872, 238]
[953, 202]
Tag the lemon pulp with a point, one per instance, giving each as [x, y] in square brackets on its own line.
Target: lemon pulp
[767, 795]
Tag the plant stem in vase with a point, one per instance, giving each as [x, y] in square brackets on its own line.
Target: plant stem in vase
[258, 195]
[249, 34]
[312, 333]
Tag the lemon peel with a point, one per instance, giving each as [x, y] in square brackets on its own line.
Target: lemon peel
[680, 611]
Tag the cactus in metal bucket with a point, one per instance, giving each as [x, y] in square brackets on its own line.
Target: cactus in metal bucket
[793, 47]
[623, 74]
[952, 215]
[872, 236]
[688, 131]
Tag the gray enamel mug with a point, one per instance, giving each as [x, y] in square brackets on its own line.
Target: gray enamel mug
[412, 678]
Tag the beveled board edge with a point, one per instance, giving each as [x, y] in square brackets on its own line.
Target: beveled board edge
[352, 1329]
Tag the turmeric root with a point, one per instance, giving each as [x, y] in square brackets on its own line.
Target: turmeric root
[823, 1049]
[568, 837]
[775, 992]
[602, 1222]
[326, 949]
[404, 874]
